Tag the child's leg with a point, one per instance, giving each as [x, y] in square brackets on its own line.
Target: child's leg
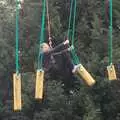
[70, 63]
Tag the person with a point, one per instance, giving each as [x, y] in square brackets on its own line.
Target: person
[58, 65]
[49, 55]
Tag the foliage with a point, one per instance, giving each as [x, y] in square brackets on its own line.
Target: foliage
[100, 102]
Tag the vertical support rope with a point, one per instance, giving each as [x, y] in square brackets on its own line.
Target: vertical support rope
[74, 55]
[103, 16]
[17, 36]
[48, 20]
[110, 34]
[70, 19]
[40, 57]
[73, 32]
[106, 12]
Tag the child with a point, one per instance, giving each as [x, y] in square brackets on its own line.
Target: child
[57, 63]
[49, 54]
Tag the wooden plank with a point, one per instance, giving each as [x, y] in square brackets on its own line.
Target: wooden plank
[85, 75]
[111, 72]
[39, 85]
[17, 92]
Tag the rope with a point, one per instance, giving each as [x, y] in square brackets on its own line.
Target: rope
[102, 15]
[48, 20]
[40, 57]
[106, 12]
[70, 19]
[110, 34]
[21, 7]
[17, 36]
[73, 32]
[74, 55]
[27, 27]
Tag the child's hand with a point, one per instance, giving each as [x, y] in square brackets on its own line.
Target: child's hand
[71, 48]
[66, 42]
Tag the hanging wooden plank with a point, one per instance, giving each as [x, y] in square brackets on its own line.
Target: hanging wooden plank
[17, 91]
[39, 84]
[111, 72]
[81, 71]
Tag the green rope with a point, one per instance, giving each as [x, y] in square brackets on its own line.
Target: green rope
[110, 34]
[17, 37]
[73, 36]
[40, 57]
[74, 55]
[70, 19]
[73, 32]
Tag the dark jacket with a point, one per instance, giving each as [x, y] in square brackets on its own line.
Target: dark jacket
[58, 65]
[49, 58]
